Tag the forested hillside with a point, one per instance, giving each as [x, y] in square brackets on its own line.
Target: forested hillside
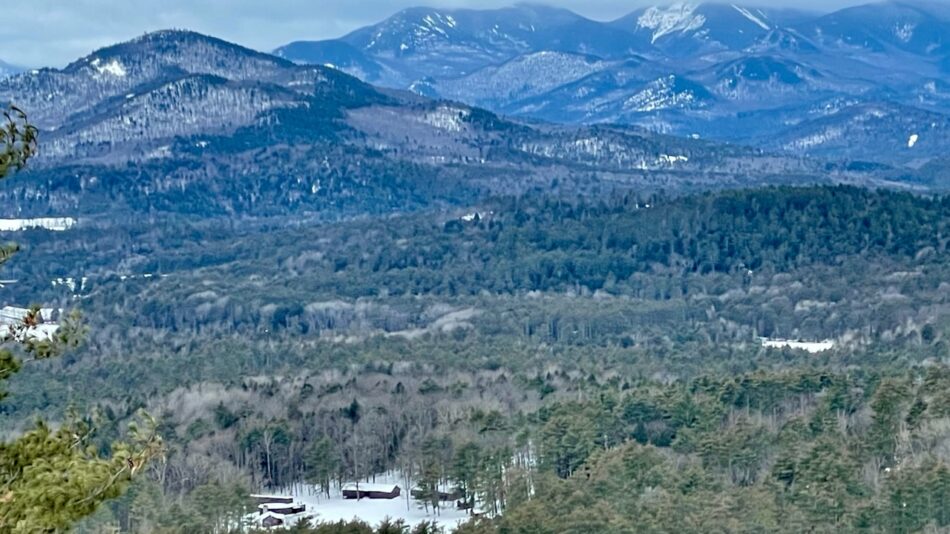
[685, 271]
[175, 122]
[549, 357]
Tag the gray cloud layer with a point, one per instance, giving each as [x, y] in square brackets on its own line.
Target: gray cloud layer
[53, 33]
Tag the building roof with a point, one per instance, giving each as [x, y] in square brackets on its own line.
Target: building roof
[266, 496]
[280, 505]
[367, 486]
[261, 518]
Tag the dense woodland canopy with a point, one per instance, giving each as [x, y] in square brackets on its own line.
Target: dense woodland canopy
[572, 367]
[274, 261]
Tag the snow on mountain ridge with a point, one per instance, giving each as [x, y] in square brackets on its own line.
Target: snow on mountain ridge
[448, 118]
[526, 76]
[678, 17]
[905, 32]
[659, 95]
[113, 67]
[756, 20]
[414, 28]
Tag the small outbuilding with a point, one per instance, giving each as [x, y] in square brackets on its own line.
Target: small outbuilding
[370, 491]
[270, 520]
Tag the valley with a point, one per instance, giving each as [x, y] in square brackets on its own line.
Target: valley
[682, 271]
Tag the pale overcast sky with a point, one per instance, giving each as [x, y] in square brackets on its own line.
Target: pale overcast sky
[52, 33]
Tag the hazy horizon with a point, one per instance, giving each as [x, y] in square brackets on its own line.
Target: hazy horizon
[52, 34]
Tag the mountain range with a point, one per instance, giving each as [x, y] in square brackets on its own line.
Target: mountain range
[176, 121]
[720, 71]
[483, 103]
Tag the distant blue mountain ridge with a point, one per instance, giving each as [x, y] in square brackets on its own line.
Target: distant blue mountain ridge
[722, 71]
[7, 69]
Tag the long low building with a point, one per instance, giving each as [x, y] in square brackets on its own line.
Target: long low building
[265, 499]
[282, 508]
[370, 491]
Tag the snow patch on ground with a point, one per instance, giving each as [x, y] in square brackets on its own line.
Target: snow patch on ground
[56, 224]
[904, 32]
[113, 67]
[832, 107]
[525, 76]
[666, 159]
[678, 17]
[71, 283]
[813, 347]
[12, 317]
[659, 94]
[817, 139]
[871, 114]
[448, 118]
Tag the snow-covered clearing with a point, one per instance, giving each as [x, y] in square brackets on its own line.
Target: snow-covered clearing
[11, 316]
[56, 224]
[813, 347]
[113, 67]
[447, 118]
[667, 159]
[904, 32]
[373, 511]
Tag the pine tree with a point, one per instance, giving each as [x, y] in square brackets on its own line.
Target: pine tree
[52, 477]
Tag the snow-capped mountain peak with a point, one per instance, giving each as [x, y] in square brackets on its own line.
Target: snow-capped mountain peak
[437, 23]
[680, 17]
[411, 29]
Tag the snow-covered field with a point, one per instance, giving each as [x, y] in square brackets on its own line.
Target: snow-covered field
[373, 511]
[808, 346]
[57, 224]
[13, 316]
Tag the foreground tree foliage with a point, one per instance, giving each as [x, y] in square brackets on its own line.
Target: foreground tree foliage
[50, 477]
